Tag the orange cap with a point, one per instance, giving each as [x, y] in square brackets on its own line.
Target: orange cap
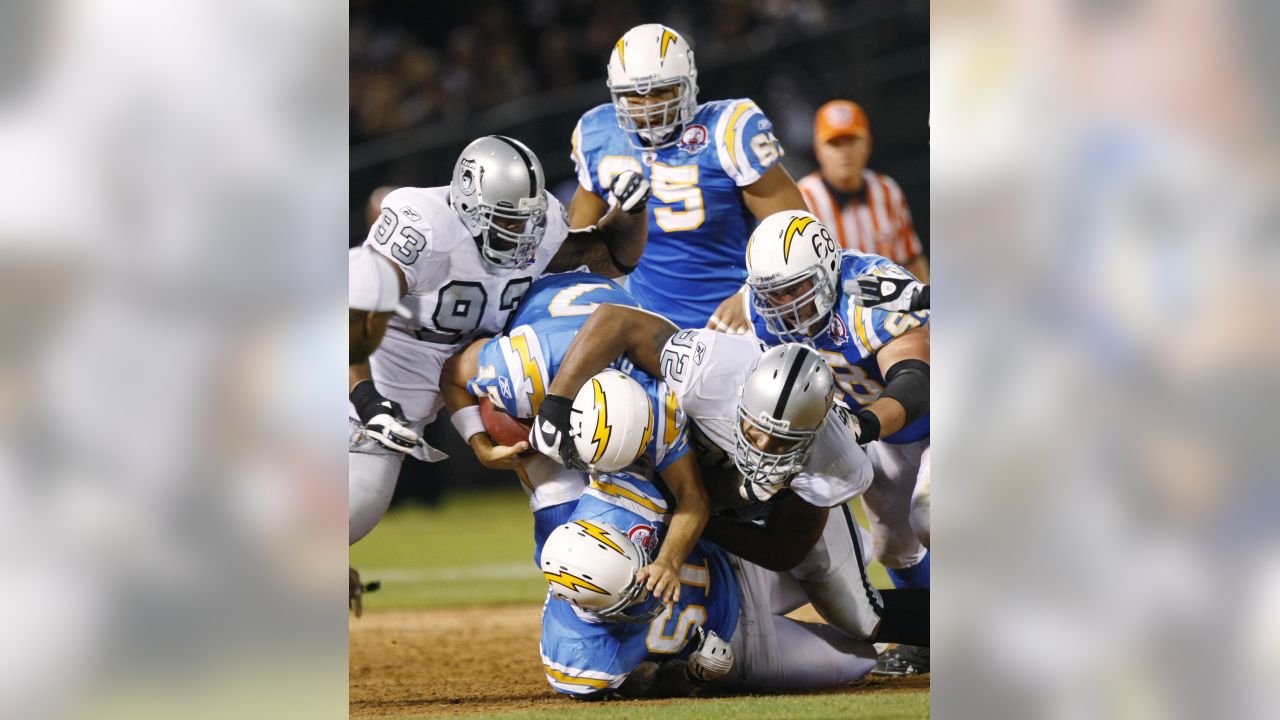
[840, 118]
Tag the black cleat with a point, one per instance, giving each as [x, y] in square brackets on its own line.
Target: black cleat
[903, 660]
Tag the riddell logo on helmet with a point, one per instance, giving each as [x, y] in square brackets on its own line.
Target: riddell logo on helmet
[642, 536]
[693, 139]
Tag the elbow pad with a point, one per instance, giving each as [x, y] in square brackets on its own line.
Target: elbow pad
[908, 383]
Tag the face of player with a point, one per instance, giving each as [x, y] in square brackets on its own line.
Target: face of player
[842, 160]
[765, 442]
[792, 293]
[655, 109]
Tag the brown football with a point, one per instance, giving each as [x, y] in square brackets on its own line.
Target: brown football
[502, 428]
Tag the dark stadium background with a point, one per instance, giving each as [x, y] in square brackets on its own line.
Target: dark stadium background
[429, 77]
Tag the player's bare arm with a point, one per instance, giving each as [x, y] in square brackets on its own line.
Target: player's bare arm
[904, 362]
[613, 246]
[612, 330]
[793, 529]
[465, 411]
[692, 508]
[586, 208]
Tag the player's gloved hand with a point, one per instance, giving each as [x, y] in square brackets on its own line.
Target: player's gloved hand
[631, 190]
[383, 419]
[712, 660]
[864, 424]
[889, 288]
[550, 432]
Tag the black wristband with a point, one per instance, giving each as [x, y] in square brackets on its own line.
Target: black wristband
[921, 300]
[366, 399]
[868, 426]
[556, 409]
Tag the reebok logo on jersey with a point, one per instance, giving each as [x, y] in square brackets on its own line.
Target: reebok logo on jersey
[504, 387]
[698, 353]
[410, 213]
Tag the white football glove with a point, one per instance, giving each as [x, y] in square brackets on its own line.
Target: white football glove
[886, 288]
[631, 190]
[383, 419]
[712, 660]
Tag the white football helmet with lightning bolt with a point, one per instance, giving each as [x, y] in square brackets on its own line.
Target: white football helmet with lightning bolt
[793, 265]
[611, 422]
[592, 565]
[654, 84]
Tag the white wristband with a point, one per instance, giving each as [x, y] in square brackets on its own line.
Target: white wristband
[467, 422]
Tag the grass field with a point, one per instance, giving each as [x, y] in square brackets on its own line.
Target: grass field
[885, 705]
[475, 551]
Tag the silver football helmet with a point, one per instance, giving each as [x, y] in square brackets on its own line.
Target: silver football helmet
[784, 403]
[498, 190]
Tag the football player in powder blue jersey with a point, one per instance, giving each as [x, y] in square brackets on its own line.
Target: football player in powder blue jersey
[513, 371]
[714, 170]
[805, 289]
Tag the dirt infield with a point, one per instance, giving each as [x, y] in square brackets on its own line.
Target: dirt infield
[464, 661]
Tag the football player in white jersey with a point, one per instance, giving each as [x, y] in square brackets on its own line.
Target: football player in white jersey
[464, 255]
[770, 414]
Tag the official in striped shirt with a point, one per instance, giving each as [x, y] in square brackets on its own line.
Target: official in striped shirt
[866, 209]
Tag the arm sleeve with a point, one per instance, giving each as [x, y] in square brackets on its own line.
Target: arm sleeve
[745, 142]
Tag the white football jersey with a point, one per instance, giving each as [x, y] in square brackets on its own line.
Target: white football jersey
[707, 369]
[451, 292]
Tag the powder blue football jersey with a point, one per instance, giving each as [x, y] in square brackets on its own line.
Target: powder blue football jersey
[698, 222]
[515, 368]
[582, 655]
[850, 343]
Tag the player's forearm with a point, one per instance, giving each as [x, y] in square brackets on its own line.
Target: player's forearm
[625, 234]
[358, 373]
[611, 331]
[692, 509]
[755, 544]
[890, 414]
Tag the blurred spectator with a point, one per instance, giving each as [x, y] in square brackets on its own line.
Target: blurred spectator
[410, 67]
[865, 209]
